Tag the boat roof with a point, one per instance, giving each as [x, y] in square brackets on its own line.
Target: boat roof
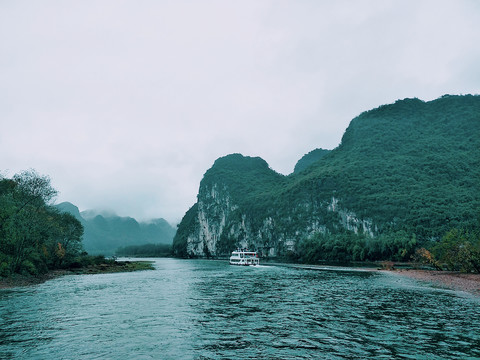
[243, 251]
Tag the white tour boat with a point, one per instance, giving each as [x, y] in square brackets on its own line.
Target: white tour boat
[244, 257]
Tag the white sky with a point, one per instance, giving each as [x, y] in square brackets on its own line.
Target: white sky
[126, 104]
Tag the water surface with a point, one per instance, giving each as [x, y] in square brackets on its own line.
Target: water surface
[198, 309]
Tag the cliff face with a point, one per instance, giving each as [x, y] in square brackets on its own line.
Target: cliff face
[220, 223]
[412, 167]
[214, 208]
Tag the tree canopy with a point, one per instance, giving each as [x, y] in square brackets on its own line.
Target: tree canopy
[34, 236]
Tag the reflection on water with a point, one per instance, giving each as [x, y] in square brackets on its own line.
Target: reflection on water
[210, 310]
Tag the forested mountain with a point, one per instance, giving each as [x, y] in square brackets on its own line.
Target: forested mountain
[309, 159]
[104, 234]
[403, 176]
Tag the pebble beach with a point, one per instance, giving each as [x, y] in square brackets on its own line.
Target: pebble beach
[452, 280]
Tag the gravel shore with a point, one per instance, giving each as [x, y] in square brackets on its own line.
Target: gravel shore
[453, 280]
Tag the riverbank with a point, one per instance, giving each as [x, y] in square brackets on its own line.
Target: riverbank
[448, 279]
[452, 280]
[18, 280]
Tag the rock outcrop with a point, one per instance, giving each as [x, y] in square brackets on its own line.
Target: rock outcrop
[410, 169]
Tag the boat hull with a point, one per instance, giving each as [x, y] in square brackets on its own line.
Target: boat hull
[238, 264]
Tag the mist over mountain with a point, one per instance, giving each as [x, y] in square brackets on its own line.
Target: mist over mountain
[105, 232]
[403, 175]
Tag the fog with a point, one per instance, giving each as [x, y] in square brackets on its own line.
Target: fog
[126, 104]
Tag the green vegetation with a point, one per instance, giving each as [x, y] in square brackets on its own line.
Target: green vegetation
[36, 238]
[186, 227]
[88, 264]
[250, 182]
[411, 165]
[347, 246]
[459, 250]
[309, 159]
[403, 176]
[147, 250]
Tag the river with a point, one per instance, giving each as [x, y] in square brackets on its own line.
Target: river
[200, 309]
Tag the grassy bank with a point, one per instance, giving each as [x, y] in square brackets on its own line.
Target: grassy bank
[109, 266]
[115, 266]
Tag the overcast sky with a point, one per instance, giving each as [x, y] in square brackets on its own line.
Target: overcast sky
[126, 104]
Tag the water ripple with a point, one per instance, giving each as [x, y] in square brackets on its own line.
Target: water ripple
[210, 310]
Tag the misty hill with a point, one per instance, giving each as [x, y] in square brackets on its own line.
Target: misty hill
[404, 174]
[72, 209]
[105, 233]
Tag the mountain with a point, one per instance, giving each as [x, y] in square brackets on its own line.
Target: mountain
[72, 209]
[403, 175]
[106, 232]
[309, 159]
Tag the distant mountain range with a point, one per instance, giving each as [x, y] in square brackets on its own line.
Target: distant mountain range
[403, 175]
[105, 233]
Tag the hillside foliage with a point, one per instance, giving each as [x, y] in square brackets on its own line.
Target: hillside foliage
[146, 250]
[459, 250]
[34, 236]
[412, 169]
[410, 165]
[308, 159]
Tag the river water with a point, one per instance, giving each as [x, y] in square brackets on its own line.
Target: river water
[199, 309]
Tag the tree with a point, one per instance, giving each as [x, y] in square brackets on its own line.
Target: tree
[67, 238]
[459, 250]
[33, 235]
[33, 189]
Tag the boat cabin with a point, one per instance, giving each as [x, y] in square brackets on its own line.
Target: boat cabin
[244, 257]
